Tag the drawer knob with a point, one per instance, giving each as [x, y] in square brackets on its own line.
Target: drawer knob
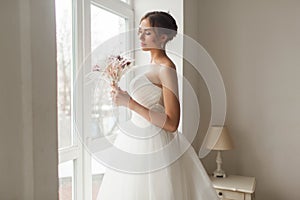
[220, 193]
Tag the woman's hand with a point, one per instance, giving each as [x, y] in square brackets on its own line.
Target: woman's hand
[120, 97]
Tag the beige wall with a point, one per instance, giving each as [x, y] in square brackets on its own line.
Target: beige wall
[44, 115]
[10, 103]
[28, 139]
[256, 46]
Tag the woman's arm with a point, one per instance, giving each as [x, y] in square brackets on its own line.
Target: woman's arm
[168, 120]
[168, 78]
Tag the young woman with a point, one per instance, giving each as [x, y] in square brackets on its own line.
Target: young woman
[153, 100]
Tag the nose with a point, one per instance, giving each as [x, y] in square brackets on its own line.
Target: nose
[141, 36]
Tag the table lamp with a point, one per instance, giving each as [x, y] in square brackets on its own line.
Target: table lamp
[220, 140]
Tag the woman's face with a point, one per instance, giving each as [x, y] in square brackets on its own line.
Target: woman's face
[148, 38]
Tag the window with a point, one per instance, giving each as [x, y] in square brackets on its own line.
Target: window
[64, 38]
[64, 71]
[66, 180]
[81, 25]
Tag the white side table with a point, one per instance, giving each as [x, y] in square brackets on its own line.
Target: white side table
[235, 187]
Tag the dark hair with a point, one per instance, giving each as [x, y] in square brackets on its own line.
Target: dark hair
[164, 21]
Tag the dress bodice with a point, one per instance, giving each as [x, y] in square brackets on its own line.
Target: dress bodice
[148, 94]
[145, 92]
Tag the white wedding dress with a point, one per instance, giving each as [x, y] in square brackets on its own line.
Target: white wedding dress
[182, 179]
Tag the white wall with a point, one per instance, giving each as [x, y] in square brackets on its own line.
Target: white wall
[28, 140]
[256, 46]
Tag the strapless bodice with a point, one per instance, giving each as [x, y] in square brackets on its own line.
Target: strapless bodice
[146, 93]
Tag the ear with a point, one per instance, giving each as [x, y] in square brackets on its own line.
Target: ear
[163, 38]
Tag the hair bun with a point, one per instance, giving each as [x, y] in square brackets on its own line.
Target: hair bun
[164, 21]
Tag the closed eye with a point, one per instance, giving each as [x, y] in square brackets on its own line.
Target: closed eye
[146, 31]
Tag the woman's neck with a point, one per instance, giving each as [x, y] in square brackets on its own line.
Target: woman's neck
[157, 54]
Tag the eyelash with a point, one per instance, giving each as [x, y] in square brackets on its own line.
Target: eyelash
[147, 33]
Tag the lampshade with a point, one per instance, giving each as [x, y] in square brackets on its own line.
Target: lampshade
[219, 138]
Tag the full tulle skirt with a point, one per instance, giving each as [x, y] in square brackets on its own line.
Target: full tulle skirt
[183, 179]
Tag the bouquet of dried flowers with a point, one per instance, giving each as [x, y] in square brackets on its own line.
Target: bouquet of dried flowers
[115, 68]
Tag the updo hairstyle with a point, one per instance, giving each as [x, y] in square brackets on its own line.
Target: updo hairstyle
[165, 23]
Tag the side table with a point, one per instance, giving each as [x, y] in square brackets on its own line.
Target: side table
[235, 187]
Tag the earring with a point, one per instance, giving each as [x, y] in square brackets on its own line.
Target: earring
[162, 45]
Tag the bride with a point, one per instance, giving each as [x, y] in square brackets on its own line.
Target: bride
[153, 100]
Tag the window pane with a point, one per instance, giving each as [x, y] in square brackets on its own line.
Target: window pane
[64, 70]
[98, 171]
[104, 25]
[65, 174]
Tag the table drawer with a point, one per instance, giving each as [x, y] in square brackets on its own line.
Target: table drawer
[230, 195]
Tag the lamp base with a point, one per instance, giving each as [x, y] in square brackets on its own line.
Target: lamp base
[219, 174]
